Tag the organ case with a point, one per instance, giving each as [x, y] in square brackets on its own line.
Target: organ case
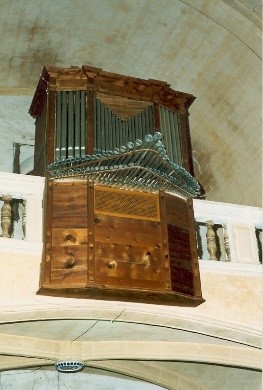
[116, 154]
[110, 243]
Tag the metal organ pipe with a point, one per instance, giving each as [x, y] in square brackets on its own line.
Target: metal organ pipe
[58, 126]
[111, 131]
[83, 116]
[95, 123]
[70, 124]
[177, 138]
[64, 127]
[169, 127]
[77, 124]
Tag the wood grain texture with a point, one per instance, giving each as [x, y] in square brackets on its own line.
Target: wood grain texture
[186, 143]
[119, 294]
[69, 264]
[70, 204]
[128, 253]
[50, 127]
[184, 269]
[40, 142]
[123, 253]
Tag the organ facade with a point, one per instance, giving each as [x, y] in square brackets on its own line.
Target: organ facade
[117, 157]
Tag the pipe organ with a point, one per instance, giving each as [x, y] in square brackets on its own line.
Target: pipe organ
[116, 154]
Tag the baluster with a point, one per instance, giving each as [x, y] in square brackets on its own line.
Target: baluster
[211, 240]
[6, 216]
[226, 242]
[23, 207]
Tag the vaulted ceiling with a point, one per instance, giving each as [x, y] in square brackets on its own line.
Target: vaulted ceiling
[211, 49]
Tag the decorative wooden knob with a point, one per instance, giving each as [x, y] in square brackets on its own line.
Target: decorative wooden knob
[69, 263]
[112, 264]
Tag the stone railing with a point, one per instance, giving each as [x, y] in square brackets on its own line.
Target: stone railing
[21, 199]
[225, 232]
[228, 232]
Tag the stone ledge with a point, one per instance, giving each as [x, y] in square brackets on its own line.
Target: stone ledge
[230, 267]
[12, 245]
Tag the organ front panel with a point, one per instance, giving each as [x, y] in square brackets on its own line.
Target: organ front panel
[116, 154]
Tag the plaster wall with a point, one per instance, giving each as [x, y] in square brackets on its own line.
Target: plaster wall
[233, 295]
[16, 127]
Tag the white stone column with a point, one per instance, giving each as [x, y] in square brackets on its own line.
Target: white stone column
[34, 218]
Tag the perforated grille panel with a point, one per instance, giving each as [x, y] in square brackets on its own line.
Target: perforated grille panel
[129, 204]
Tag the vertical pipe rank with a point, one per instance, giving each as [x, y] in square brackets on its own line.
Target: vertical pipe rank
[96, 109]
[172, 147]
[83, 123]
[70, 124]
[77, 124]
[58, 126]
[64, 126]
[178, 138]
[101, 130]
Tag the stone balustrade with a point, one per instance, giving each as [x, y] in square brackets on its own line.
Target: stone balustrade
[225, 232]
[21, 199]
[228, 232]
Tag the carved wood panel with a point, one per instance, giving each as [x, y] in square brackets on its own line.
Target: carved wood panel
[106, 253]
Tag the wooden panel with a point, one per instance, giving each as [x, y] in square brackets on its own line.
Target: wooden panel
[69, 265]
[186, 143]
[127, 274]
[128, 253]
[71, 84]
[136, 254]
[70, 198]
[70, 204]
[51, 127]
[48, 208]
[180, 260]
[69, 237]
[127, 231]
[122, 294]
[176, 211]
[123, 107]
[184, 269]
[156, 117]
[69, 220]
[100, 253]
[67, 233]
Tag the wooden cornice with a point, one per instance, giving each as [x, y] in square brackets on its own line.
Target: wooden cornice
[40, 95]
[98, 80]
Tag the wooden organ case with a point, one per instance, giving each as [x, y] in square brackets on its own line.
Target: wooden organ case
[117, 158]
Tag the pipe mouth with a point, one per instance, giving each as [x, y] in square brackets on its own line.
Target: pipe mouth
[69, 366]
